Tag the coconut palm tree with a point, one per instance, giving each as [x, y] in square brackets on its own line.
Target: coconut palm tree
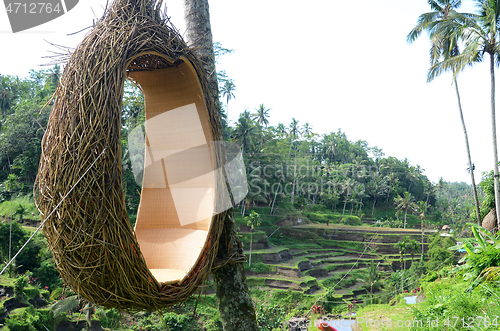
[403, 203]
[281, 130]
[402, 246]
[372, 278]
[261, 115]
[348, 185]
[378, 186]
[228, 92]
[422, 207]
[480, 35]
[253, 220]
[444, 46]
[307, 131]
[235, 303]
[244, 133]
[413, 247]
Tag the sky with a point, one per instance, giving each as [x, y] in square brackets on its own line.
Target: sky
[329, 63]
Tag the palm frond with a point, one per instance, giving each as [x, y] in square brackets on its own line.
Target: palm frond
[65, 305]
[454, 64]
[423, 22]
[491, 273]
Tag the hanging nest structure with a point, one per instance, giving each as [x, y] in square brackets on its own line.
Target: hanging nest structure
[95, 248]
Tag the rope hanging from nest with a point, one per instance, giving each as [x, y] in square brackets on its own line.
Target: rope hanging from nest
[183, 197]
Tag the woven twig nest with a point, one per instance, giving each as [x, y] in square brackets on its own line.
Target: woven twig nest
[96, 251]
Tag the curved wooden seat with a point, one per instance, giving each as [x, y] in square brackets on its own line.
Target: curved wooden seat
[177, 200]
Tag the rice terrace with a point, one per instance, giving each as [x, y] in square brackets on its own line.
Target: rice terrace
[143, 187]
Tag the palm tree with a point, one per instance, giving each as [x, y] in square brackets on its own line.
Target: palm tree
[307, 131]
[372, 278]
[413, 247]
[252, 220]
[281, 130]
[294, 133]
[348, 186]
[402, 246]
[403, 203]
[261, 115]
[444, 46]
[11, 184]
[414, 174]
[480, 35]
[422, 207]
[244, 133]
[235, 303]
[379, 186]
[332, 147]
[228, 92]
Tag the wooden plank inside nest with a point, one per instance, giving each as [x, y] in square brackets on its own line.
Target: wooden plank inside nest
[149, 62]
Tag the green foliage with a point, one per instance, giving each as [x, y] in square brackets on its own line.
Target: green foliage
[177, 322]
[31, 255]
[19, 237]
[270, 318]
[438, 254]
[19, 285]
[490, 257]
[253, 219]
[64, 305]
[351, 220]
[28, 319]
[109, 318]
[25, 202]
[258, 268]
[48, 275]
[488, 188]
[447, 301]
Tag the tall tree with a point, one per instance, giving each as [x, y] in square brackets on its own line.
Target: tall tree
[403, 203]
[480, 36]
[443, 47]
[235, 304]
[261, 115]
[402, 246]
[244, 133]
[228, 92]
[372, 278]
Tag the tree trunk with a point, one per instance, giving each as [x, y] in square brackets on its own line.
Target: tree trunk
[471, 167]
[406, 212]
[235, 304]
[494, 131]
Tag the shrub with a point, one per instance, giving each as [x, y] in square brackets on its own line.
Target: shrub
[109, 318]
[19, 284]
[258, 267]
[48, 275]
[351, 220]
[29, 319]
[177, 322]
[270, 317]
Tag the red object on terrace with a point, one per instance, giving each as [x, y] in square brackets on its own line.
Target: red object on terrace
[323, 326]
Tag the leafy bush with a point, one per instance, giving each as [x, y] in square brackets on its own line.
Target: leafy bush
[31, 292]
[48, 275]
[438, 253]
[19, 284]
[109, 318]
[258, 267]
[270, 318]
[351, 220]
[29, 319]
[315, 208]
[176, 322]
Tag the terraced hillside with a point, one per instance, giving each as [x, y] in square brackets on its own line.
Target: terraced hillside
[314, 257]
